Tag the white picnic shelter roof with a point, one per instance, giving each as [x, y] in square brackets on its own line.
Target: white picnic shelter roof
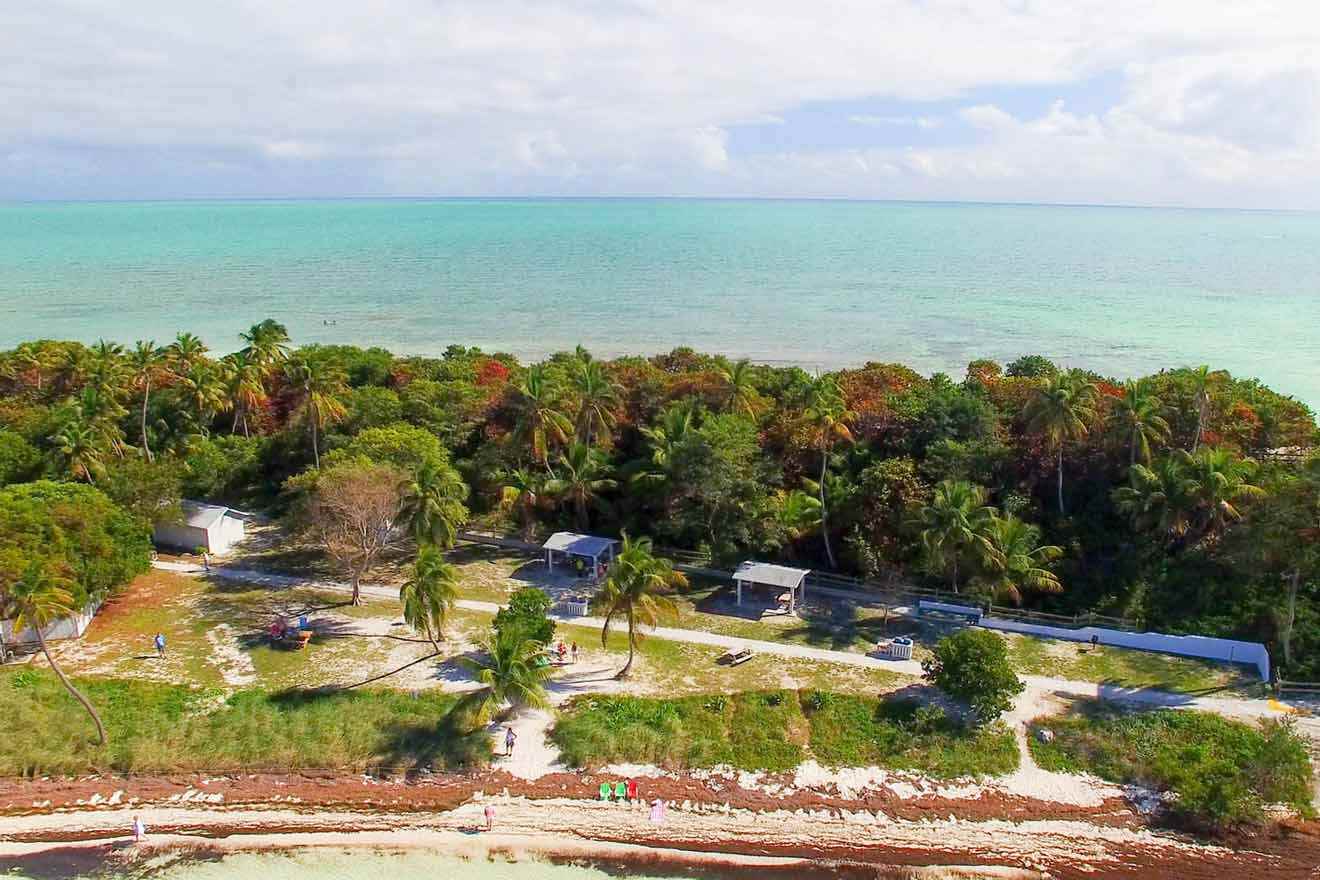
[770, 575]
[578, 545]
[199, 515]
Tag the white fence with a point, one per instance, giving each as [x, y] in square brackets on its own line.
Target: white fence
[1225, 650]
[65, 628]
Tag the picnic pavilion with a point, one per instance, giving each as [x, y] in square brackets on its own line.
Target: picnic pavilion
[568, 546]
[791, 582]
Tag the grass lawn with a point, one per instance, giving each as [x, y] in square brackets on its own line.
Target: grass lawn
[1222, 771]
[776, 730]
[1124, 667]
[157, 727]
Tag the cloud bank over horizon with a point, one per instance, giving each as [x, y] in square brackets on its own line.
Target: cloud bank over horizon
[1178, 103]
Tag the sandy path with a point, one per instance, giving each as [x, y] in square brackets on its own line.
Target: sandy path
[1246, 709]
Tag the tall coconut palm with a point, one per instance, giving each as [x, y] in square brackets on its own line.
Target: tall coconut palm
[246, 387]
[582, 477]
[1019, 563]
[267, 344]
[635, 590]
[82, 446]
[204, 388]
[107, 371]
[1202, 381]
[524, 492]
[1059, 412]
[186, 351]
[675, 424]
[507, 668]
[540, 421]
[429, 594]
[739, 393]
[432, 509]
[319, 387]
[828, 416]
[145, 362]
[1190, 496]
[955, 526]
[39, 598]
[1137, 415]
[598, 394]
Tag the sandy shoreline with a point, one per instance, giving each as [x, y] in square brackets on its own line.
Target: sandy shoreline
[725, 829]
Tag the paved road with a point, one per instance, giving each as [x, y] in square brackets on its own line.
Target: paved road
[1233, 707]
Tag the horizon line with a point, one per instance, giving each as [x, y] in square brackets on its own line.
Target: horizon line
[652, 198]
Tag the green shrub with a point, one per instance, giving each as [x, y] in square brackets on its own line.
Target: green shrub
[973, 666]
[1223, 772]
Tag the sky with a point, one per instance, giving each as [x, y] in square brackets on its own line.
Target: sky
[1199, 103]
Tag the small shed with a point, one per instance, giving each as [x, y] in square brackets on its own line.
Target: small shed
[211, 527]
[570, 545]
[793, 580]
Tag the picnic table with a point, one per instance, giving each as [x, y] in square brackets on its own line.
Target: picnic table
[735, 656]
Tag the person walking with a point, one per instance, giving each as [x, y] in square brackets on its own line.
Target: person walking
[206, 560]
[490, 816]
[139, 830]
[575, 652]
[160, 645]
[509, 739]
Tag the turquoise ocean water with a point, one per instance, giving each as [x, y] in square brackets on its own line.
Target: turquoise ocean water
[823, 284]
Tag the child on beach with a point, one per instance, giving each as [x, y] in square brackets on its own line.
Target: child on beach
[139, 830]
[575, 652]
[159, 641]
[490, 816]
[509, 739]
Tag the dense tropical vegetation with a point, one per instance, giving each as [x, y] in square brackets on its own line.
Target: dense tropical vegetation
[1184, 499]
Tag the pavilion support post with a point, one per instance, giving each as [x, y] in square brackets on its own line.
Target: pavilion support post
[737, 585]
[550, 559]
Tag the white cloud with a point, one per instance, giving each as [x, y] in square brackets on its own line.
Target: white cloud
[922, 122]
[578, 96]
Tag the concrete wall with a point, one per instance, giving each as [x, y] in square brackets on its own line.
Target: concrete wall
[67, 628]
[179, 536]
[1224, 650]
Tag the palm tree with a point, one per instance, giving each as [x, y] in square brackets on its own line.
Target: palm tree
[598, 395]
[432, 508]
[186, 351]
[828, 416]
[635, 590]
[739, 393]
[1202, 379]
[429, 595]
[1137, 415]
[38, 599]
[81, 444]
[1158, 496]
[267, 344]
[508, 667]
[1219, 482]
[524, 492]
[1186, 494]
[539, 420]
[581, 480]
[800, 514]
[1059, 411]
[205, 391]
[246, 388]
[955, 524]
[318, 386]
[1019, 562]
[107, 370]
[145, 361]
